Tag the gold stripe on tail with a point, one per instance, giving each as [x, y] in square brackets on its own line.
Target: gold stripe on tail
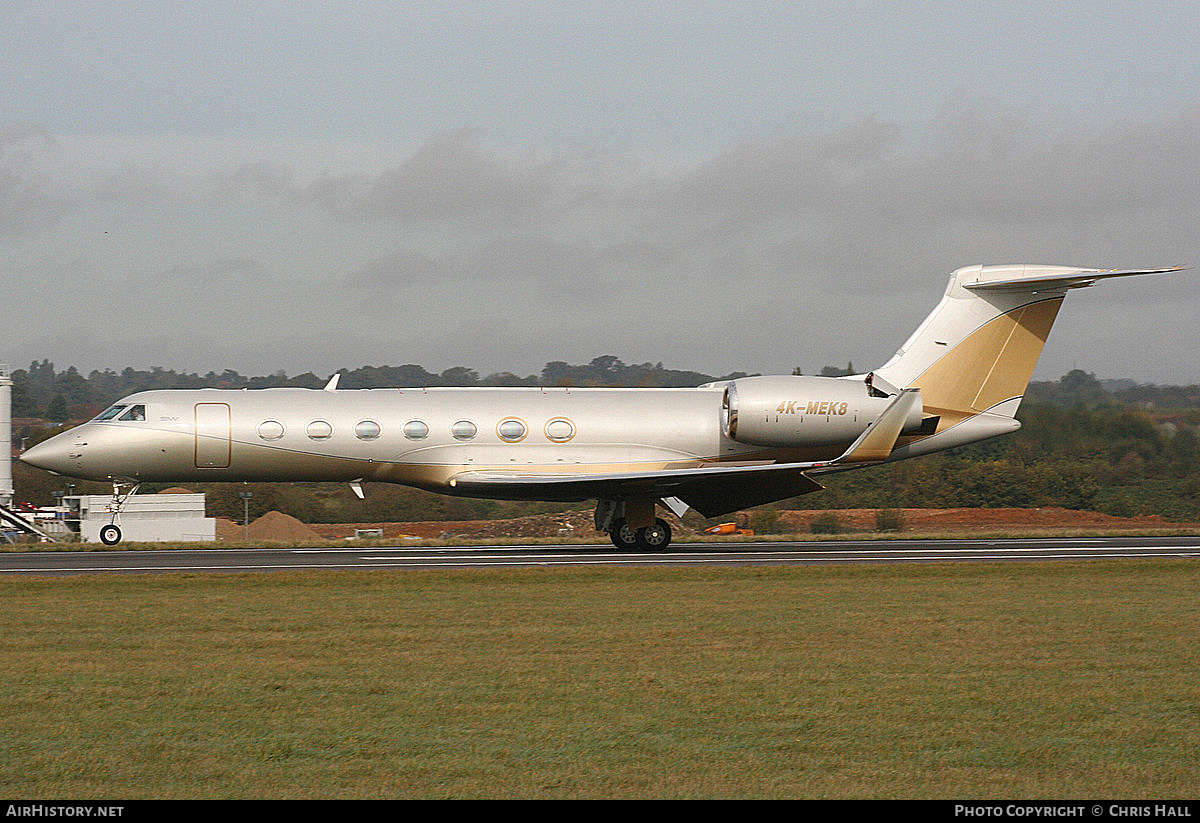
[992, 364]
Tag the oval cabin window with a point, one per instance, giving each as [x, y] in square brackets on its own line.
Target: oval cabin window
[367, 430]
[511, 430]
[463, 430]
[319, 430]
[270, 430]
[560, 430]
[416, 430]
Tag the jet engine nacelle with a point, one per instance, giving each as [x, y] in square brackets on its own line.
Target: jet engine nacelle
[798, 410]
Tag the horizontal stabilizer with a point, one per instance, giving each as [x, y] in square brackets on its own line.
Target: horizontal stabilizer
[1023, 277]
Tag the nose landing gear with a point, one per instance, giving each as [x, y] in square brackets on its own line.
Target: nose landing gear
[110, 535]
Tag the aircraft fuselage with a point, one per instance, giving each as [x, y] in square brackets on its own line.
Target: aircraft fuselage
[418, 437]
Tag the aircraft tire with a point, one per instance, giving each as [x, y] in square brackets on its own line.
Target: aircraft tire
[656, 537]
[110, 535]
[623, 537]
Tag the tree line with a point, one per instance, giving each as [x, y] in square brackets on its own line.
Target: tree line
[43, 392]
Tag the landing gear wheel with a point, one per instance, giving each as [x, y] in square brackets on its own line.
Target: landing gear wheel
[110, 535]
[622, 536]
[656, 537]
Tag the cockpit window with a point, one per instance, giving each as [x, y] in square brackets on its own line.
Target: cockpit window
[110, 412]
[137, 412]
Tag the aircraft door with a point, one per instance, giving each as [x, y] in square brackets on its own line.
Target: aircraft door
[212, 436]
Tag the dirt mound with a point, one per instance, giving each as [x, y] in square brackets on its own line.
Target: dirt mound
[229, 530]
[279, 526]
[176, 490]
[559, 524]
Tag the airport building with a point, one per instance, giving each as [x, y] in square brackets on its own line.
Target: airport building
[145, 518]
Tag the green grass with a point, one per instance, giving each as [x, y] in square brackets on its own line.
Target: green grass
[1050, 680]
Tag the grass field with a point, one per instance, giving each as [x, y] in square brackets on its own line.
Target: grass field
[1049, 680]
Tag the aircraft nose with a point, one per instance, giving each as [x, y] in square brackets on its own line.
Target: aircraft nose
[60, 454]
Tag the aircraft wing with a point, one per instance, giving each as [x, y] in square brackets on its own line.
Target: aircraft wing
[711, 490]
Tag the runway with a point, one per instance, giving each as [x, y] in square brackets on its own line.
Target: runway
[216, 560]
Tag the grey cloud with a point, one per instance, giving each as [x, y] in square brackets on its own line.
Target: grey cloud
[769, 247]
[402, 269]
[559, 267]
[210, 272]
[21, 135]
[1025, 179]
[29, 199]
[448, 179]
[261, 179]
[332, 193]
[132, 184]
[758, 180]
[806, 218]
[242, 267]
[531, 269]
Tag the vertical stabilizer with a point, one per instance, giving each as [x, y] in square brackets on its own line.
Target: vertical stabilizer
[977, 350]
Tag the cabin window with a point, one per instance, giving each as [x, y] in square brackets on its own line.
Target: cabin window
[110, 412]
[416, 430]
[319, 430]
[137, 413]
[270, 430]
[463, 430]
[511, 430]
[367, 430]
[560, 430]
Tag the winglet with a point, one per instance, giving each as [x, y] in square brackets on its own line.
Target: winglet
[877, 442]
[333, 381]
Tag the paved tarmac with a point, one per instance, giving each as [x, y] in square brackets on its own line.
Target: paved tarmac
[216, 560]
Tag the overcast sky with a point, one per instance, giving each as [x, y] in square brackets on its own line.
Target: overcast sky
[719, 186]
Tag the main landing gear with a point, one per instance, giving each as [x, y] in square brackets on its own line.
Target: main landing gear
[110, 534]
[655, 537]
[632, 526]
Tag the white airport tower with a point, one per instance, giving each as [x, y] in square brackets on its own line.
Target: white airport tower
[6, 480]
[10, 522]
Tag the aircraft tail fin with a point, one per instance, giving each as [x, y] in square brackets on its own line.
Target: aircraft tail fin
[976, 351]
